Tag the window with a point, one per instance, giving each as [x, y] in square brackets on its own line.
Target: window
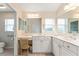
[49, 24]
[9, 24]
[61, 24]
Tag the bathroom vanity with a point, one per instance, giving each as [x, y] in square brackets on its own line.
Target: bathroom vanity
[41, 44]
[58, 45]
[65, 46]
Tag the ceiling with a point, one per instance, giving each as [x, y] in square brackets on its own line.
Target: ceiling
[7, 9]
[40, 7]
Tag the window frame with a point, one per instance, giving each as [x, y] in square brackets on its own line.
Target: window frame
[64, 24]
[51, 25]
[9, 27]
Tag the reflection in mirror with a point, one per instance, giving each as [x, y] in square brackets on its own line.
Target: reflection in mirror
[23, 26]
[73, 25]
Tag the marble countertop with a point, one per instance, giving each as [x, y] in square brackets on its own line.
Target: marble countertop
[71, 39]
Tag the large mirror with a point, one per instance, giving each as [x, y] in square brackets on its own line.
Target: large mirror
[23, 26]
[73, 25]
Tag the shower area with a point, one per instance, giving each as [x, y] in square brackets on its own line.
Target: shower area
[7, 30]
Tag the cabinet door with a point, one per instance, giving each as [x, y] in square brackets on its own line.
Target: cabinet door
[56, 49]
[57, 46]
[46, 45]
[41, 43]
[66, 52]
[36, 44]
[71, 47]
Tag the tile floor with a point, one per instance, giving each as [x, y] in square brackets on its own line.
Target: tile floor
[35, 54]
[7, 52]
[40, 55]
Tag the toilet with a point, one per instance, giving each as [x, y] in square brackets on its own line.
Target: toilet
[2, 44]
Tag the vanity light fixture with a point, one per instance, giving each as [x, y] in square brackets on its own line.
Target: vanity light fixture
[33, 15]
[71, 6]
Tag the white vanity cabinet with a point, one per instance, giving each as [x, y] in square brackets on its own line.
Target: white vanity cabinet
[41, 44]
[62, 48]
[47, 44]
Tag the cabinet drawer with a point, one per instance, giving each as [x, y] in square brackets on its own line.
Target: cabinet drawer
[58, 41]
[41, 37]
[70, 47]
[66, 52]
[48, 37]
